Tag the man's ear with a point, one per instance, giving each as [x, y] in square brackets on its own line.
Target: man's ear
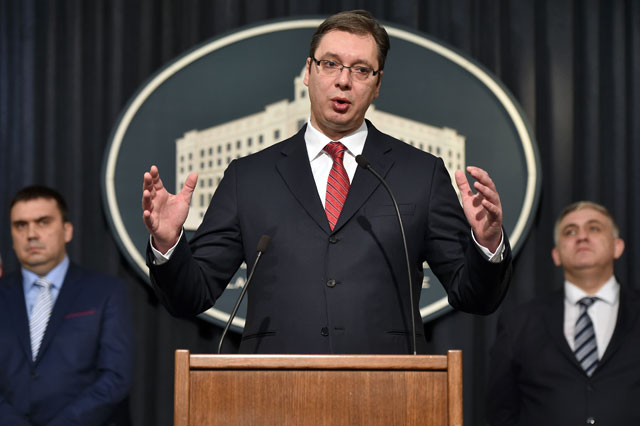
[378, 83]
[556, 257]
[618, 248]
[68, 231]
[307, 70]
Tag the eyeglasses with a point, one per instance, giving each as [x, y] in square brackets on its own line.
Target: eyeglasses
[332, 68]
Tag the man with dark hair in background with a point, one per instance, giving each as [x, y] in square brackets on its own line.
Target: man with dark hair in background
[334, 279]
[571, 357]
[66, 356]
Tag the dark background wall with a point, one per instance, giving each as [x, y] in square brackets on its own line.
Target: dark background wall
[67, 69]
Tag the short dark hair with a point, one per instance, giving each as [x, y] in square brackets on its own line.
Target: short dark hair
[33, 192]
[358, 22]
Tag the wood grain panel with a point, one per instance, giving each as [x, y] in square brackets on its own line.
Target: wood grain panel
[314, 390]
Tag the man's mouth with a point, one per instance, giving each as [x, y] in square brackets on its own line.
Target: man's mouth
[340, 104]
[34, 249]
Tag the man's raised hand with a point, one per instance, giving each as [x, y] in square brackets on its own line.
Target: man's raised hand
[482, 209]
[164, 213]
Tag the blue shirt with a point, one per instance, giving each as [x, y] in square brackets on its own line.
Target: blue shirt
[55, 277]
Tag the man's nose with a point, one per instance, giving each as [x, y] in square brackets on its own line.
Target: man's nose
[344, 77]
[582, 234]
[32, 233]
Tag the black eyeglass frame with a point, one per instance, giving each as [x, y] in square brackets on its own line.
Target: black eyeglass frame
[343, 66]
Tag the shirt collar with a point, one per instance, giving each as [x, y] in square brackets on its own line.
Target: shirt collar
[316, 141]
[609, 292]
[55, 276]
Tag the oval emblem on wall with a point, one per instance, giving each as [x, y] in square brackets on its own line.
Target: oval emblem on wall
[242, 92]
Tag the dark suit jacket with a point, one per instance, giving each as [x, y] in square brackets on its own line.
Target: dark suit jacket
[84, 367]
[318, 291]
[536, 380]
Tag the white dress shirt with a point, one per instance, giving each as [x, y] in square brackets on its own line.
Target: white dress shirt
[321, 162]
[603, 312]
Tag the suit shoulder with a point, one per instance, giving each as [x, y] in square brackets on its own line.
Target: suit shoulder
[400, 147]
[630, 293]
[93, 277]
[274, 151]
[521, 312]
[10, 277]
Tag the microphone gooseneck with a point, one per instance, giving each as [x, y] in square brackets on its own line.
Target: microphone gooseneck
[364, 163]
[263, 244]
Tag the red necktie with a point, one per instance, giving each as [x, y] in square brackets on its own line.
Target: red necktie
[337, 184]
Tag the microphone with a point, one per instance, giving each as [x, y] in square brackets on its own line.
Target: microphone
[263, 244]
[364, 163]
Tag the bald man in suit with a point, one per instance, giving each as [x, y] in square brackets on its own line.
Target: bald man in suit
[571, 357]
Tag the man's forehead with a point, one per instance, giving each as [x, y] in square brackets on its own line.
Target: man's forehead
[339, 42]
[582, 216]
[34, 209]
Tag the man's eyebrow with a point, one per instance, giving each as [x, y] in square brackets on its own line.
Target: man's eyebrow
[337, 58]
[38, 219]
[589, 222]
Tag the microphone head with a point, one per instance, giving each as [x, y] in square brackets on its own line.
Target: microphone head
[362, 161]
[263, 244]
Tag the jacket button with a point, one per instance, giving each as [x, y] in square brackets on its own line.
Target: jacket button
[324, 331]
[331, 283]
[591, 420]
[333, 239]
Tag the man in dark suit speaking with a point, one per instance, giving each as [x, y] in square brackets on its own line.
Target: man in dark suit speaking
[66, 351]
[571, 357]
[335, 277]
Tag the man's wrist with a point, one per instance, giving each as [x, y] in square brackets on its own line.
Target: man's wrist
[163, 256]
[494, 256]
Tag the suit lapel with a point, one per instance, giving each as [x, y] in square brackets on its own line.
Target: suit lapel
[377, 151]
[65, 298]
[627, 316]
[554, 319]
[18, 312]
[295, 170]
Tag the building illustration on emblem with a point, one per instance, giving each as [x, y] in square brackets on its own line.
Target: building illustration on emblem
[210, 151]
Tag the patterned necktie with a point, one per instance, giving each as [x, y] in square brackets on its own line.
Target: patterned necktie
[586, 348]
[337, 184]
[40, 315]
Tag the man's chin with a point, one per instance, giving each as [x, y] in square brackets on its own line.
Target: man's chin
[33, 261]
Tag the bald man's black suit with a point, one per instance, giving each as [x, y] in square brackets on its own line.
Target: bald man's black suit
[535, 378]
[293, 304]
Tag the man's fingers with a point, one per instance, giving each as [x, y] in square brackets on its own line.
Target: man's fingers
[481, 176]
[487, 192]
[147, 218]
[493, 209]
[189, 185]
[146, 200]
[462, 182]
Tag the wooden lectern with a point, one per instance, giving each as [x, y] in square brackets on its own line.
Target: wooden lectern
[318, 390]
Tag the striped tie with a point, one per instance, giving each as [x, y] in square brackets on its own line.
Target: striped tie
[40, 315]
[586, 348]
[337, 184]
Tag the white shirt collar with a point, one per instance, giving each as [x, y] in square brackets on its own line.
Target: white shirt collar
[316, 141]
[609, 292]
